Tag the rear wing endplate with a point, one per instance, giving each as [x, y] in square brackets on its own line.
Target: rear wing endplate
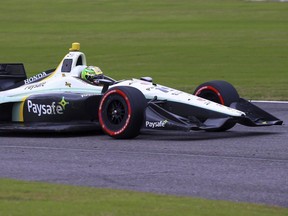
[10, 74]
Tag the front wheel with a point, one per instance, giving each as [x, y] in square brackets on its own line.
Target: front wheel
[122, 112]
[220, 92]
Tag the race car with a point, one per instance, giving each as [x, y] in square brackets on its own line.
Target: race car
[60, 100]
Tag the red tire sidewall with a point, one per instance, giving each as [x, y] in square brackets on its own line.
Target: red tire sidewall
[211, 88]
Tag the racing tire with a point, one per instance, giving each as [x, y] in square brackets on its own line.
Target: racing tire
[220, 92]
[122, 112]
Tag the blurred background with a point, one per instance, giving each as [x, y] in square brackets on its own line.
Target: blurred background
[180, 43]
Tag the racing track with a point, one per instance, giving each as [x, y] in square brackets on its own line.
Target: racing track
[245, 164]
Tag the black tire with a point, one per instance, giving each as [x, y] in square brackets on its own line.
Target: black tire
[122, 112]
[220, 92]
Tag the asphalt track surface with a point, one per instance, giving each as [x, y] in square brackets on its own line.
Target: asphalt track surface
[245, 164]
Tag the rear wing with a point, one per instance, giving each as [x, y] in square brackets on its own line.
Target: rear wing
[10, 74]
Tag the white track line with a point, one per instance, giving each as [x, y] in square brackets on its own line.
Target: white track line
[267, 0]
[262, 101]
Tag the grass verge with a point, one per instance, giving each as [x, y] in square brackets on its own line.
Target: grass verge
[179, 43]
[28, 198]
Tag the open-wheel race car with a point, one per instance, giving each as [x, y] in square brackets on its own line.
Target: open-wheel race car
[63, 100]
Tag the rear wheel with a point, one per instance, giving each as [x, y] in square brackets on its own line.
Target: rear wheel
[122, 112]
[220, 92]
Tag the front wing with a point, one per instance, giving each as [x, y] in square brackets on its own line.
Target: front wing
[159, 118]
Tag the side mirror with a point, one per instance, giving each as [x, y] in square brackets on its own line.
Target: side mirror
[106, 83]
[147, 79]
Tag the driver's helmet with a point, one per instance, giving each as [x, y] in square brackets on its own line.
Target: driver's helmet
[91, 73]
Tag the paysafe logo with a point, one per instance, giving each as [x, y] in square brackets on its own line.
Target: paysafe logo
[55, 108]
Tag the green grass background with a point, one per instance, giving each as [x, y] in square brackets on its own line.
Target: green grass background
[23, 198]
[179, 43]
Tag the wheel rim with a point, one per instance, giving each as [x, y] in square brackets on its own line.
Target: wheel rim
[116, 112]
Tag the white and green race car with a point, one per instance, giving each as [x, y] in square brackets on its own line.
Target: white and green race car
[60, 100]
